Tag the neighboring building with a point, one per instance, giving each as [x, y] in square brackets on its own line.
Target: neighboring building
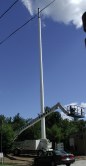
[78, 142]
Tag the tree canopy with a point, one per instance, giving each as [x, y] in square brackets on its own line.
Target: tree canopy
[57, 129]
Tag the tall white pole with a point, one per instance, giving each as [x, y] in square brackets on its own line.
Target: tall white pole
[43, 130]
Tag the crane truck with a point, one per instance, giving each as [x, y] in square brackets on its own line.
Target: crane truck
[31, 146]
[41, 145]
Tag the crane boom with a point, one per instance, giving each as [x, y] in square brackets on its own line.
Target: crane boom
[46, 113]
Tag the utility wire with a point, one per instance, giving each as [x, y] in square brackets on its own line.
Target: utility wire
[32, 18]
[8, 9]
[17, 30]
[47, 5]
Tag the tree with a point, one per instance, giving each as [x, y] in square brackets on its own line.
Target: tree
[33, 132]
[7, 137]
[6, 133]
[54, 134]
[54, 118]
[18, 122]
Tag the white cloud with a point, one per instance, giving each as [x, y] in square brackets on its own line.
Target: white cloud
[65, 11]
[64, 116]
[72, 104]
[83, 105]
[28, 5]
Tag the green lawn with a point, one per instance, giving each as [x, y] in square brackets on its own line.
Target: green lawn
[14, 164]
[2, 164]
[11, 164]
[6, 164]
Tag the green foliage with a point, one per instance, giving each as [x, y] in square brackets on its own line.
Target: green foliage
[7, 137]
[18, 122]
[57, 129]
[31, 133]
[54, 133]
[6, 134]
[54, 118]
[68, 128]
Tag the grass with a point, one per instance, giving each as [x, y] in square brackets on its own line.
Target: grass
[2, 164]
[9, 165]
[13, 164]
[5, 164]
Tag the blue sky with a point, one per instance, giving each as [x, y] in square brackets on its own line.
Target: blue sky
[64, 57]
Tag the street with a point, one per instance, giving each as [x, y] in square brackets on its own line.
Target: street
[79, 163]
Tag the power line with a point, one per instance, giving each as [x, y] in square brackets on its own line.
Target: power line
[47, 5]
[32, 18]
[8, 9]
[17, 30]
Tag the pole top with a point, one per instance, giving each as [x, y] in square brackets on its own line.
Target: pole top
[38, 12]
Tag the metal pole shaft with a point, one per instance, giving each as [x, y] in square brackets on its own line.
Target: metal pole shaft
[1, 135]
[43, 131]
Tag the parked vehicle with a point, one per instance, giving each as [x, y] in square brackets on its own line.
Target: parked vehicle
[54, 157]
